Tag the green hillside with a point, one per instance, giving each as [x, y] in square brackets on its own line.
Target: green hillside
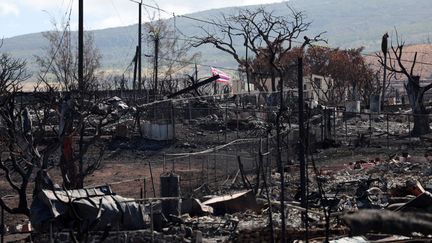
[347, 23]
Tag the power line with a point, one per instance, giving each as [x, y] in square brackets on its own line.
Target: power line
[404, 60]
[225, 26]
[193, 63]
[204, 21]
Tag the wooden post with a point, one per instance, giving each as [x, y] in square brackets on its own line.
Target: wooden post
[370, 127]
[388, 145]
[384, 45]
[164, 162]
[208, 162]
[269, 166]
[151, 221]
[334, 124]
[152, 181]
[173, 120]
[156, 58]
[346, 127]
[322, 125]
[190, 172]
[261, 161]
[302, 160]
[80, 45]
[226, 122]
[215, 172]
[139, 47]
[145, 188]
[237, 116]
[202, 171]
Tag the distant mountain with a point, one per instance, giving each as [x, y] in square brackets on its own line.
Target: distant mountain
[348, 23]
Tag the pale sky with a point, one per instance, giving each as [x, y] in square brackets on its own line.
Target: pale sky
[18, 17]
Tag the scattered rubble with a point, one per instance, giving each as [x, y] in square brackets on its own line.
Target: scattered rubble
[388, 196]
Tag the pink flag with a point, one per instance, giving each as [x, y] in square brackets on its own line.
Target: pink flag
[223, 77]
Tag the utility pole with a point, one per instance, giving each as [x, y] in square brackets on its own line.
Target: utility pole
[139, 44]
[301, 139]
[156, 57]
[301, 131]
[80, 45]
[247, 68]
[196, 73]
[135, 60]
[384, 45]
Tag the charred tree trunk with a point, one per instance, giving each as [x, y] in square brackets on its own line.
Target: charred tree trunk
[415, 92]
[420, 114]
[68, 167]
[273, 81]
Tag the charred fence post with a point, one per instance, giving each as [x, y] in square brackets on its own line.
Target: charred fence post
[214, 164]
[322, 126]
[346, 126]
[334, 123]
[170, 187]
[269, 165]
[152, 180]
[145, 188]
[164, 162]
[173, 121]
[190, 172]
[237, 122]
[202, 172]
[208, 169]
[226, 123]
[152, 221]
[387, 117]
[370, 127]
[267, 191]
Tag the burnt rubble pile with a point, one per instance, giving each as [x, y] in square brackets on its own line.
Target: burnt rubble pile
[367, 199]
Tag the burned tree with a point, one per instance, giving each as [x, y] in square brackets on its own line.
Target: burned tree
[413, 87]
[18, 157]
[263, 70]
[343, 72]
[59, 63]
[271, 37]
[170, 56]
[79, 111]
[262, 32]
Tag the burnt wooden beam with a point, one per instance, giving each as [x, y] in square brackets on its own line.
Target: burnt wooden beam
[193, 87]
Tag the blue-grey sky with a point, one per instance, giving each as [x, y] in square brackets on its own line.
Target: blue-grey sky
[18, 17]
